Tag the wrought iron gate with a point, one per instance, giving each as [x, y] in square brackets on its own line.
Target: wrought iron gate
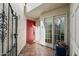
[8, 31]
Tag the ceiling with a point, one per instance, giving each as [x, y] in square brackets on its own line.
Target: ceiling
[31, 6]
[35, 13]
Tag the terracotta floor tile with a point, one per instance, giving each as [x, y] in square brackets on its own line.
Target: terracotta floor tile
[36, 50]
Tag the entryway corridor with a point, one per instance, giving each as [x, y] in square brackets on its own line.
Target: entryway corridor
[36, 50]
[43, 29]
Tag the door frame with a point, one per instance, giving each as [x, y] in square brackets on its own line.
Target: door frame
[65, 27]
[47, 44]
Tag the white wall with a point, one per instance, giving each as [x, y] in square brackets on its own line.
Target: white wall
[57, 11]
[37, 31]
[40, 32]
[74, 29]
[18, 8]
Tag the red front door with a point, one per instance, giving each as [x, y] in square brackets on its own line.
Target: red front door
[30, 31]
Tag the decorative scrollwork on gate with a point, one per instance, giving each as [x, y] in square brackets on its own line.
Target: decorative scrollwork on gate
[8, 31]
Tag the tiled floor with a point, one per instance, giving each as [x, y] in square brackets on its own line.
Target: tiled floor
[36, 50]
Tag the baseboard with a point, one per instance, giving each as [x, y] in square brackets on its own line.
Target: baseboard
[44, 45]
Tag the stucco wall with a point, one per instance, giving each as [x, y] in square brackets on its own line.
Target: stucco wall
[18, 8]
